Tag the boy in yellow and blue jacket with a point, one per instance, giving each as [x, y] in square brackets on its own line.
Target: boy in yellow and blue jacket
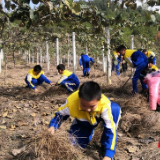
[137, 60]
[116, 61]
[151, 65]
[36, 77]
[89, 107]
[68, 79]
[150, 55]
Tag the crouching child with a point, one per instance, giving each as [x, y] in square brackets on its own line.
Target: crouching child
[89, 107]
[36, 77]
[68, 79]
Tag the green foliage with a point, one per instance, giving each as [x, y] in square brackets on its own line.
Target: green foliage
[56, 18]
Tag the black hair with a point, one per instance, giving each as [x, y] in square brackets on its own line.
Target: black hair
[82, 54]
[90, 91]
[37, 68]
[61, 67]
[150, 60]
[145, 72]
[120, 48]
[144, 50]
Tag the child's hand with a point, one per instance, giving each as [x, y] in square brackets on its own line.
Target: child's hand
[36, 90]
[52, 84]
[106, 158]
[51, 130]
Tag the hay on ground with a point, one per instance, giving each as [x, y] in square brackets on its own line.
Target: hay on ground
[49, 147]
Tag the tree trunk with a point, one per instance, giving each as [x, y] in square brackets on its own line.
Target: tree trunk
[74, 51]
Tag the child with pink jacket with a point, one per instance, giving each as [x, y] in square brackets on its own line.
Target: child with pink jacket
[153, 82]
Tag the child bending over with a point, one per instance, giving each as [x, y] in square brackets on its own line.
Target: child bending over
[89, 107]
[68, 79]
[36, 77]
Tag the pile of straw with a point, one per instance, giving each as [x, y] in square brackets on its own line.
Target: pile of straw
[45, 146]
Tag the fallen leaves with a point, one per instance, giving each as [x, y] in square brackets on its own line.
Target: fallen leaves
[33, 114]
[15, 152]
[3, 127]
[132, 149]
[14, 110]
[5, 114]
[13, 127]
[18, 107]
[22, 124]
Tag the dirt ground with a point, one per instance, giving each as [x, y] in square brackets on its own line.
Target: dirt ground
[24, 114]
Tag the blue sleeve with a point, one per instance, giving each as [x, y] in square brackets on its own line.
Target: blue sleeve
[80, 61]
[92, 60]
[57, 120]
[45, 79]
[138, 58]
[119, 58]
[154, 60]
[107, 140]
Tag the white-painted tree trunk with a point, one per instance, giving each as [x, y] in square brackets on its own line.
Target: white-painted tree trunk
[132, 47]
[74, 51]
[26, 56]
[0, 62]
[104, 60]
[64, 60]
[132, 41]
[86, 49]
[29, 56]
[2, 55]
[37, 56]
[57, 50]
[68, 61]
[47, 54]
[41, 58]
[108, 56]
[68, 52]
[32, 59]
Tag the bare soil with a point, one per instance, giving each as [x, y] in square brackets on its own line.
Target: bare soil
[24, 114]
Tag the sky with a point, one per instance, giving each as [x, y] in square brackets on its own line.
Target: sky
[31, 4]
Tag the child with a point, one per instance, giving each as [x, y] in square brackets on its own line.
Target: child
[36, 77]
[153, 82]
[68, 79]
[116, 61]
[89, 106]
[137, 60]
[85, 64]
[150, 55]
[151, 65]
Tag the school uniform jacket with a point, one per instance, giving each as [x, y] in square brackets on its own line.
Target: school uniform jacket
[117, 56]
[31, 75]
[129, 53]
[64, 76]
[135, 58]
[103, 110]
[85, 59]
[154, 67]
[152, 56]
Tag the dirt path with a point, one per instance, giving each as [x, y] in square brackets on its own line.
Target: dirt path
[25, 113]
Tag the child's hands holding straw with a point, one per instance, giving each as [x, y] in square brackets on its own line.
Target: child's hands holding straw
[51, 130]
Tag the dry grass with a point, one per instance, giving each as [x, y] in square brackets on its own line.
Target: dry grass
[45, 146]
